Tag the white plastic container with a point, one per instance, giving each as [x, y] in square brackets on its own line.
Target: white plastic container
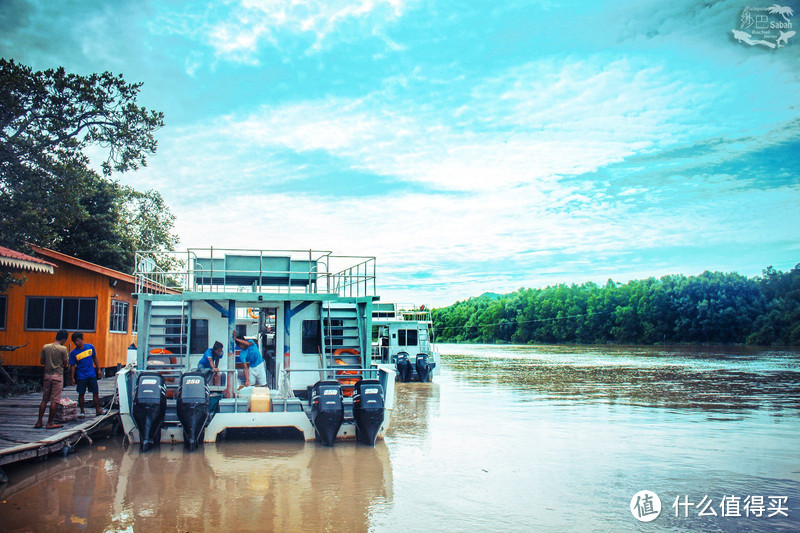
[132, 354]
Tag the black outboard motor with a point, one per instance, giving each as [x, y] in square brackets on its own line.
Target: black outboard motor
[422, 367]
[149, 407]
[403, 367]
[327, 410]
[368, 410]
[193, 408]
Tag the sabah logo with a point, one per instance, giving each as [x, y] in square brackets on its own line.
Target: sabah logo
[765, 26]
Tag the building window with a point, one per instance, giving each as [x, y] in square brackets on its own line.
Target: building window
[407, 337]
[119, 317]
[72, 314]
[311, 336]
[135, 326]
[3, 307]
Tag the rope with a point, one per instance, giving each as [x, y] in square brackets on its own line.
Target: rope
[85, 435]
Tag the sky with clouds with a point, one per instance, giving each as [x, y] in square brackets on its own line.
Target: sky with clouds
[470, 146]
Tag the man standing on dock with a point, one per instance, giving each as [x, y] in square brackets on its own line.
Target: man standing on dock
[85, 371]
[54, 358]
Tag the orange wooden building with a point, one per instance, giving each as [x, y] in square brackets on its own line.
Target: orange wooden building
[77, 296]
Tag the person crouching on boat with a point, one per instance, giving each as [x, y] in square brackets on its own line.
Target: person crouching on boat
[254, 368]
[209, 363]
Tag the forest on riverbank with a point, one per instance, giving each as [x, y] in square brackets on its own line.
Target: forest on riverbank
[713, 307]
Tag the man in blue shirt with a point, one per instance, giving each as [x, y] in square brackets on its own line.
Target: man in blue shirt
[209, 363]
[254, 367]
[85, 371]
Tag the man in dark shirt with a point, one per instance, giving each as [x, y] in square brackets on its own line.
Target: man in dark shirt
[54, 357]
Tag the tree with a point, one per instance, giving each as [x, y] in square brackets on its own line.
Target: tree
[51, 115]
[48, 194]
[117, 220]
[713, 307]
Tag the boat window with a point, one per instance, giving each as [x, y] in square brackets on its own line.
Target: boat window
[407, 337]
[175, 332]
[199, 341]
[333, 327]
[312, 336]
[3, 306]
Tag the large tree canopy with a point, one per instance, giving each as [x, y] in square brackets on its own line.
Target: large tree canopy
[49, 195]
[53, 115]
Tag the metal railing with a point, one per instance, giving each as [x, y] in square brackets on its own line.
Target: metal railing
[414, 313]
[356, 280]
[250, 270]
[407, 312]
[423, 347]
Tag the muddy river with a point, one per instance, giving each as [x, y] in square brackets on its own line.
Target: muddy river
[533, 438]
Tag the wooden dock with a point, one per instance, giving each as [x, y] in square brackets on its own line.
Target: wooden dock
[20, 441]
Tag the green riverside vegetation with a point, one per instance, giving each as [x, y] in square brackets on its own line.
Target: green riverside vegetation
[714, 307]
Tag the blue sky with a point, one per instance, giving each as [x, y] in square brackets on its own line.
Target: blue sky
[471, 147]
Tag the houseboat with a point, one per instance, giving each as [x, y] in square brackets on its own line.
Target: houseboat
[402, 336]
[308, 313]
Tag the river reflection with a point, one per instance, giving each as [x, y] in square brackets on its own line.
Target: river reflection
[248, 486]
[526, 438]
[416, 404]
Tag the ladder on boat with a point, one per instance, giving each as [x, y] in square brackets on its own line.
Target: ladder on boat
[342, 336]
[166, 348]
[423, 340]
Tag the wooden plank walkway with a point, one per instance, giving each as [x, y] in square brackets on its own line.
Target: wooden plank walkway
[19, 440]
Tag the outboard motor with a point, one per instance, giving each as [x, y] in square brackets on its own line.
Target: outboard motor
[422, 367]
[193, 400]
[149, 407]
[327, 410]
[368, 410]
[403, 367]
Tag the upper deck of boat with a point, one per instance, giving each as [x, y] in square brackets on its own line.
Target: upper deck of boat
[254, 275]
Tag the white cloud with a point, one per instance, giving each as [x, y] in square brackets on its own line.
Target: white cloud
[532, 123]
[236, 30]
[492, 240]
[506, 143]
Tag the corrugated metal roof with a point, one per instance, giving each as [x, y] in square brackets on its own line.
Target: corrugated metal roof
[18, 261]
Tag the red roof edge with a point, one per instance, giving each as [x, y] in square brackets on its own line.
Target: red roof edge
[111, 273]
[8, 252]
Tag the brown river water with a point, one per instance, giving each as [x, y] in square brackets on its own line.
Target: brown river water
[507, 438]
